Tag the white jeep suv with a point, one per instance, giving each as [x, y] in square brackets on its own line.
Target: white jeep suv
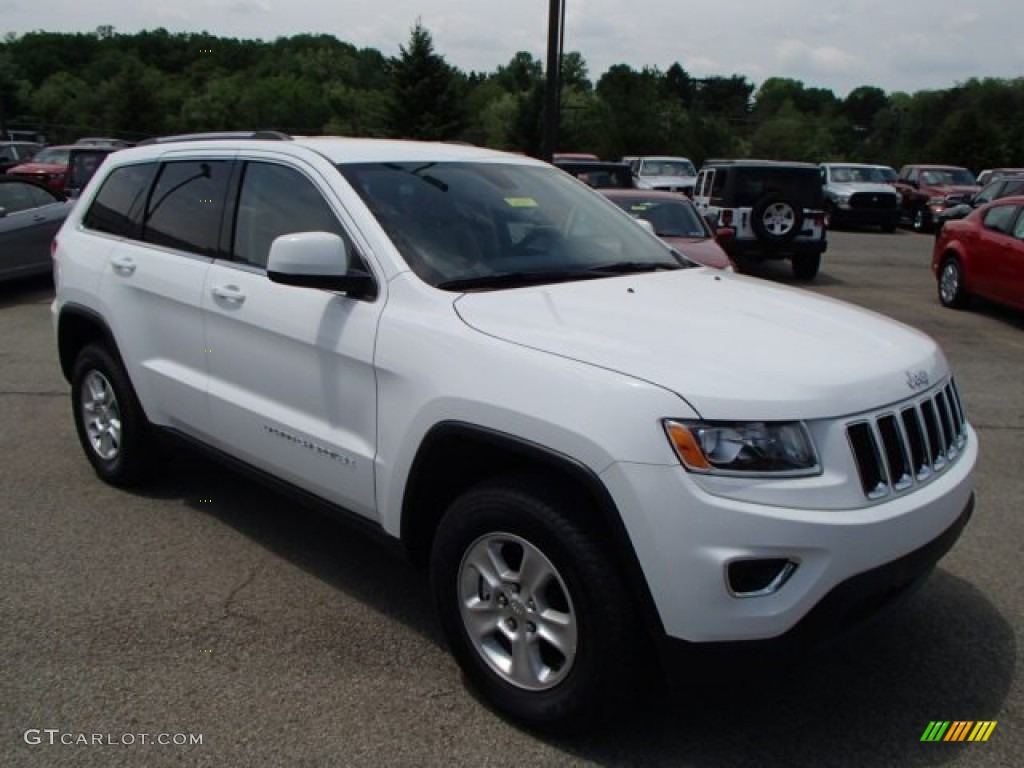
[599, 448]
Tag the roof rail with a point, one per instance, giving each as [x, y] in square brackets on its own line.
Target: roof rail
[256, 135]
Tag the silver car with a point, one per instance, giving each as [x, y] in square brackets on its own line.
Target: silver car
[30, 216]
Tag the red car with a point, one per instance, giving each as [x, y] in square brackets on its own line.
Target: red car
[982, 255]
[48, 167]
[675, 220]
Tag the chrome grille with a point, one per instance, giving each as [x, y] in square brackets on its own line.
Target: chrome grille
[898, 449]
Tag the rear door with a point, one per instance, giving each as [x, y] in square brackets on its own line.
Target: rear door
[168, 216]
[992, 255]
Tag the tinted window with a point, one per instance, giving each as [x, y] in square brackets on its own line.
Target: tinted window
[801, 185]
[117, 208]
[670, 218]
[1014, 187]
[184, 210]
[274, 201]
[1000, 218]
[17, 197]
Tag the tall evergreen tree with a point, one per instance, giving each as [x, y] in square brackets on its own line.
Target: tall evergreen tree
[426, 92]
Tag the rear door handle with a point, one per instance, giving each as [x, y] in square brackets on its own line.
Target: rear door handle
[123, 265]
[232, 294]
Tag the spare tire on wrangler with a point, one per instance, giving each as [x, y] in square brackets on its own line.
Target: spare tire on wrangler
[776, 219]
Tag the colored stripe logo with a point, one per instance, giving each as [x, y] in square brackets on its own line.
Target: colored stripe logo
[958, 730]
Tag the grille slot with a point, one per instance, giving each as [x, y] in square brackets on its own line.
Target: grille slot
[895, 451]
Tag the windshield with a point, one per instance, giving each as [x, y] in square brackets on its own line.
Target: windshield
[949, 176]
[668, 167]
[488, 225]
[55, 156]
[850, 173]
[670, 218]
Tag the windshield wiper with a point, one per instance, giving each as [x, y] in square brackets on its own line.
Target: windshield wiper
[514, 279]
[631, 267]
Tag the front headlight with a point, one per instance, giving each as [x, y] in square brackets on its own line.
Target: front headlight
[777, 448]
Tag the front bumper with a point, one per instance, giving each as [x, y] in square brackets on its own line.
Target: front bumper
[685, 538]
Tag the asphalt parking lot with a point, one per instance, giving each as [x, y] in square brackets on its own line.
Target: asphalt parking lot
[208, 606]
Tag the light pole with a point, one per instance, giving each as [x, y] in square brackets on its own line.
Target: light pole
[553, 79]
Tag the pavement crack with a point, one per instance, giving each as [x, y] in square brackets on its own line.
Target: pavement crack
[233, 594]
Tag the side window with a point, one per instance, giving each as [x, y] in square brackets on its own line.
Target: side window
[185, 207]
[1000, 218]
[117, 208]
[1018, 231]
[911, 174]
[989, 193]
[718, 184]
[15, 197]
[275, 200]
[41, 197]
[1013, 187]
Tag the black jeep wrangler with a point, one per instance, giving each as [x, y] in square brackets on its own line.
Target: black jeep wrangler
[775, 209]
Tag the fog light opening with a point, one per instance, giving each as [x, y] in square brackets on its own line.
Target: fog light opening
[758, 578]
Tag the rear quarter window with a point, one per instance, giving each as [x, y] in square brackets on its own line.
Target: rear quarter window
[117, 207]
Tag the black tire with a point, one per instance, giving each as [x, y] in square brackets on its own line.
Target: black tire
[921, 220]
[111, 425]
[951, 284]
[806, 265]
[776, 219]
[584, 682]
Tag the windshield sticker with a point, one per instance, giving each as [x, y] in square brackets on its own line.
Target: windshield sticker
[521, 202]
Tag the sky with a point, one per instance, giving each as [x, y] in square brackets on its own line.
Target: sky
[896, 45]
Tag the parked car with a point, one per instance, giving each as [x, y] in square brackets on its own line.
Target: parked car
[603, 455]
[982, 255]
[599, 174]
[676, 220]
[858, 194]
[83, 161]
[1001, 186]
[30, 215]
[102, 141]
[991, 174]
[14, 153]
[776, 209]
[48, 167]
[674, 174]
[928, 190]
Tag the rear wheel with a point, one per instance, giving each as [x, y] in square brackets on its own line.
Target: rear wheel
[533, 610]
[806, 265]
[111, 425]
[776, 220]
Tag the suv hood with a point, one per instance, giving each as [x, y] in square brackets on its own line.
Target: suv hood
[731, 346]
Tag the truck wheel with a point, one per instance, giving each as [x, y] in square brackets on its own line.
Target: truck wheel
[532, 608]
[111, 425]
[921, 221]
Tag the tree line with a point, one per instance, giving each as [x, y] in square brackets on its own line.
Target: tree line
[154, 82]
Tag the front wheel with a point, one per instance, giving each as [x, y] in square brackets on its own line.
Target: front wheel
[951, 284]
[532, 607]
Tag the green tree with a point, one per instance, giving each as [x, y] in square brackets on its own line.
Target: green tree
[426, 93]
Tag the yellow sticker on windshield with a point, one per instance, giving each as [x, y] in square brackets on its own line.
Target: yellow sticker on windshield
[640, 207]
[521, 202]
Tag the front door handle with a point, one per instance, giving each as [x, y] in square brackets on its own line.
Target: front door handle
[232, 294]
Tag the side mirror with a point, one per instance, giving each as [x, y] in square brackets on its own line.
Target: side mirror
[317, 260]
